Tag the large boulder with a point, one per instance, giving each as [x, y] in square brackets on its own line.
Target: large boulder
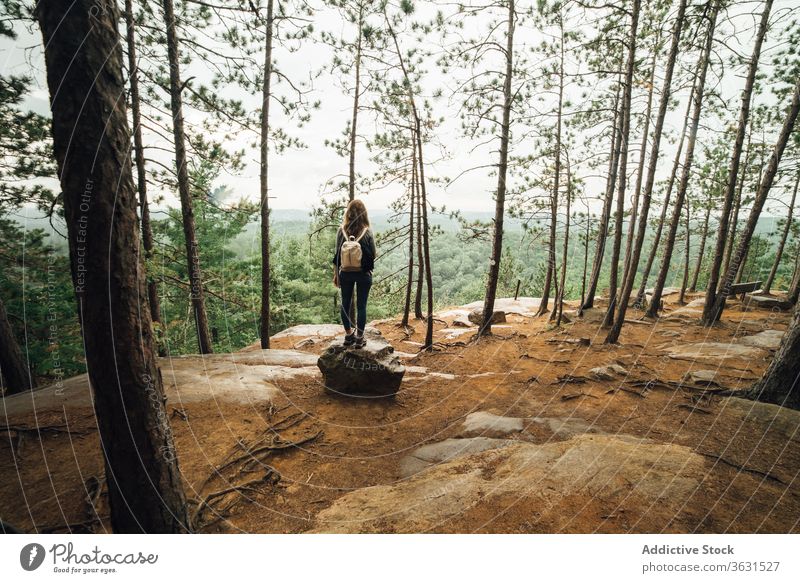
[371, 371]
[476, 316]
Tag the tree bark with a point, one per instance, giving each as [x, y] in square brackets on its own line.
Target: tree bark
[266, 96]
[551, 246]
[784, 236]
[502, 169]
[652, 309]
[602, 227]
[737, 203]
[686, 248]
[141, 174]
[632, 266]
[702, 250]
[781, 381]
[558, 308]
[356, 95]
[733, 172]
[651, 257]
[14, 374]
[420, 261]
[623, 167]
[758, 204]
[410, 276]
[197, 293]
[84, 73]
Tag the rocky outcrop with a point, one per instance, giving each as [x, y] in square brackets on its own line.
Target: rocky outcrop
[371, 371]
[604, 469]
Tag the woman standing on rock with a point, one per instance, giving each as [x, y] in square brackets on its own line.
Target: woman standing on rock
[354, 261]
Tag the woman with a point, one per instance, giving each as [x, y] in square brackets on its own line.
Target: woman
[355, 229]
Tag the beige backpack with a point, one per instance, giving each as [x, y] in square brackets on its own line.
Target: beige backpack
[351, 252]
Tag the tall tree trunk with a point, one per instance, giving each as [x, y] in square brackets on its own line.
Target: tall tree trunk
[410, 276]
[84, 73]
[14, 374]
[187, 208]
[551, 245]
[266, 96]
[686, 249]
[781, 381]
[734, 223]
[558, 308]
[585, 261]
[141, 174]
[758, 204]
[794, 289]
[702, 250]
[784, 236]
[428, 344]
[676, 163]
[602, 228]
[642, 153]
[733, 171]
[420, 262]
[619, 224]
[669, 244]
[356, 96]
[636, 252]
[502, 169]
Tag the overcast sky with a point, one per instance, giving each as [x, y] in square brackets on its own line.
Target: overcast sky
[298, 176]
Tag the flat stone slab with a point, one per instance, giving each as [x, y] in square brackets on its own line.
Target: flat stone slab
[603, 468]
[702, 377]
[713, 351]
[317, 331]
[768, 339]
[768, 302]
[767, 416]
[523, 306]
[443, 451]
[259, 356]
[483, 421]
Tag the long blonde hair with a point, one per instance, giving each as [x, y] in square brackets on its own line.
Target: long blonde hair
[355, 218]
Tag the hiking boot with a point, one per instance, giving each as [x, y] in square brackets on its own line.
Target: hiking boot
[349, 339]
[360, 342]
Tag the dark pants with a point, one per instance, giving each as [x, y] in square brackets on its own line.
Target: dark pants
[361, 281]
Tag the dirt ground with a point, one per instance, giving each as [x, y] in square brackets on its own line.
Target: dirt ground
[54, 477]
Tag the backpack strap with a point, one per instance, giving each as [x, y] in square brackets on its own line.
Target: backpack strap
[364, 232]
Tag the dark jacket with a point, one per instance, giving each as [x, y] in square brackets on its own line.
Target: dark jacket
[368, 250]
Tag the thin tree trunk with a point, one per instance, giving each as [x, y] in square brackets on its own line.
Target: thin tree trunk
[784, 236]
[14, 374]
[758, 204]
[734, 223]
[551, 246]
[781, 381]
[266, 96]
[733, 171]
[632, 266]
[559, 304]
[410, 276]
[141, 174]
[702, 250]
[602, 228]
[642, 153]
[686, 249]
[420, 262]
[651, 258]
[652, 309]
[84, 73]
[585, 261]
[623, 167]
[187, 208]
[794, 289]
[502, 169]
[356, 97]
[428, 344]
